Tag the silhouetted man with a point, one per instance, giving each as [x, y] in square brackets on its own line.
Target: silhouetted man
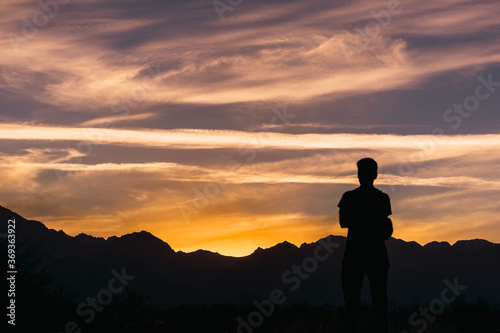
[364, 211]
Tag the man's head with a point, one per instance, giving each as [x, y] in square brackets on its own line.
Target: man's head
[367, 171]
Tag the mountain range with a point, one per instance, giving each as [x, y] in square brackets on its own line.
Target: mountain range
[83, 265]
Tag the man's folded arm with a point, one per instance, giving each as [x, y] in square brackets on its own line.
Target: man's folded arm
[387, 228]
[345, 218]
[345, 213]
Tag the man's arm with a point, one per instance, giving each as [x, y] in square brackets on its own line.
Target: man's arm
[345, 213]
[345, 218]
[387, 228]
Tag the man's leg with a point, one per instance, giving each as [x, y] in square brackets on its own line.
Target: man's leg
[377, 276]
[352, 280]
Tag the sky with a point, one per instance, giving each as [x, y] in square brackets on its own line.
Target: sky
[231, 125]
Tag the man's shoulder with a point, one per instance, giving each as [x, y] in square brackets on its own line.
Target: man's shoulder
[382, 195]
[346, 198]
[361, 192]
[347, 193]
[350, 196]
[351, 193]
[372, 191]
[381, 192]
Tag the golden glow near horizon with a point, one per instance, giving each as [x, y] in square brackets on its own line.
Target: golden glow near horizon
[233, 210]
[230, 135]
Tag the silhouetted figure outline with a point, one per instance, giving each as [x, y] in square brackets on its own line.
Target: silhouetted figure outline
[364, 211]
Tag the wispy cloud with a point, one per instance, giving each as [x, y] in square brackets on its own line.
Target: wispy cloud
[194, 138]
[107, 121]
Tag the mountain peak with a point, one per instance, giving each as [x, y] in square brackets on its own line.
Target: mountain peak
[88, 238]
[139, 235]
[436, 246]
[473, 244]
[21, 223]
[283, 246]
[142, 239]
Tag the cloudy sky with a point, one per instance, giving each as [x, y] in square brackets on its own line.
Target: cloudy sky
[232, 125]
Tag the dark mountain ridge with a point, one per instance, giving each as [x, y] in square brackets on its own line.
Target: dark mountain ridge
[83, 265]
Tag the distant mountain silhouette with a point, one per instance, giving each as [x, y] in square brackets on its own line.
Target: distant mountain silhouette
[81, 266]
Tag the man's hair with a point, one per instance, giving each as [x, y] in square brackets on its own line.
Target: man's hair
[367, 165]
